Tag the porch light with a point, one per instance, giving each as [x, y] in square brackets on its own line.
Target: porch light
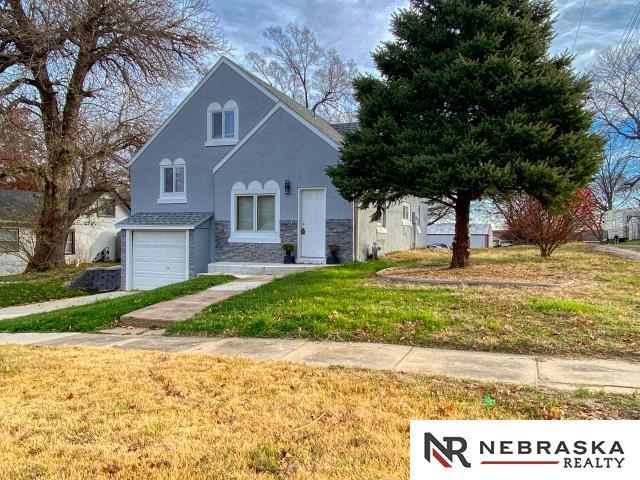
[287, 187]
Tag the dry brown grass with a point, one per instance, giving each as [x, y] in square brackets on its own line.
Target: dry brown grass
[93, 413]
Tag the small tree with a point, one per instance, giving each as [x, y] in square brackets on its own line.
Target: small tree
[297, 65]
[470, 104]
[529, 221]
[591, 213]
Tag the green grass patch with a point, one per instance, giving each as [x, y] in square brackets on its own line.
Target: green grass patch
[561, 305]
[594, 317]
[21, 293]
[37, 287]
[339, 303]
[106, 313]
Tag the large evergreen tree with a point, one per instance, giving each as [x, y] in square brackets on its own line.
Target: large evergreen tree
[469, 104]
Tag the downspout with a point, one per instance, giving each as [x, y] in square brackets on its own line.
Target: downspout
[354, 226]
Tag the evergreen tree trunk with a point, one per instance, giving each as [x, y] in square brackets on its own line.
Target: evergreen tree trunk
[53, 225]
[460, 247]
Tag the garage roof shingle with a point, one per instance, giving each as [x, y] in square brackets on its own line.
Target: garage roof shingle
[166, 219]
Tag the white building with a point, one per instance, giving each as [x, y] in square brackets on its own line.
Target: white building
[480, 234]
[89, 236]
[623, 222]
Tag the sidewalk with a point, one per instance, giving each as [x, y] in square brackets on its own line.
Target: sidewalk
[50, 306]
[565, 373]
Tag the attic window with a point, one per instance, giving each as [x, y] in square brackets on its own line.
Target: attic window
[222, 124]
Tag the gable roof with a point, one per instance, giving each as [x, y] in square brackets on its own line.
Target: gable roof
[450, 229]
[316, 124]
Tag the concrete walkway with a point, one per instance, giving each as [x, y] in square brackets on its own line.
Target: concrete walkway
[50, 306]
[626, 253]
[565, 373]
[164, 314]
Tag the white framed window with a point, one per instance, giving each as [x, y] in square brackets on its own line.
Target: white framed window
[406, 213]
[381, 224]
[255, 213]
[222, 124]
[173, 181]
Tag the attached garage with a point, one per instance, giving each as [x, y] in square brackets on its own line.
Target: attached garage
[159, 248]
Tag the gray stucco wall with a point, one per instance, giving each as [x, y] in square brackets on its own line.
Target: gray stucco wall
[396, 236]
[283, 149]
[185, 137]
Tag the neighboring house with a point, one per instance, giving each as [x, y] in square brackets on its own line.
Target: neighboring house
[89, 235]
[502, 238]
[480, 234]
[237, 170]
[623, 222]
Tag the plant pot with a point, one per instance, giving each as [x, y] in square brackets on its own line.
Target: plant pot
[289, 259]
[332, 260]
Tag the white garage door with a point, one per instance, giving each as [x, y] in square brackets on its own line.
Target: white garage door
[159, 258]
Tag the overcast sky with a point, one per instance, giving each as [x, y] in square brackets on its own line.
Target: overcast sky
[355, 27]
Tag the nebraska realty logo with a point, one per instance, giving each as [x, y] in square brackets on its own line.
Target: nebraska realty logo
[524, 450]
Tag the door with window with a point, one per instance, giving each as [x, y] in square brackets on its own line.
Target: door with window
[311, 227]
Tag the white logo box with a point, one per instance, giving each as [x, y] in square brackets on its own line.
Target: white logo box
[525, 449]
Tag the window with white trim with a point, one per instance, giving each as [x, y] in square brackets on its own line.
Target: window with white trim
[173, 181]
[222, 124]
[255, 213]
[406, 213]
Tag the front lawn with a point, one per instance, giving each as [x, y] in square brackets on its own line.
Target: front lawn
[106, 313]
[96, 413]
[40, 286]
[596, 313]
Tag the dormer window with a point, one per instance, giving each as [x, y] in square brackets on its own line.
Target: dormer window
[173, 185]
[222, 124]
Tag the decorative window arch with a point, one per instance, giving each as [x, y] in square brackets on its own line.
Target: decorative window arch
[173, 181]
[255, 213]
[222, 124]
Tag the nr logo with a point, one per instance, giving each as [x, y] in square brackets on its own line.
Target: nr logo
[444, 453]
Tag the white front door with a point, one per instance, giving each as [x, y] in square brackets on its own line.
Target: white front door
[311, 227]
[158, 258]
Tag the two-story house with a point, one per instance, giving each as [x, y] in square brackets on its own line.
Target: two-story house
[237, 170]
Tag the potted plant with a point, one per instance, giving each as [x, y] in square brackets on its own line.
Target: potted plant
[332, 259]
[288, 248]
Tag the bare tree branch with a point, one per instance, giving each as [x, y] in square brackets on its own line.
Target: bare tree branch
[298, 66]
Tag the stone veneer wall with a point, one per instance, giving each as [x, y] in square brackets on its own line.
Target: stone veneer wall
[192, 254]
[123, 259]
[339, 232]
[253, 252]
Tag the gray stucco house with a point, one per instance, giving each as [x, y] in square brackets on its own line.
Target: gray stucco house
[237, 170]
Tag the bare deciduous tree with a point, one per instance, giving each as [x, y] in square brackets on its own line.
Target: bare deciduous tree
[615, 91]
[615, 181]
[95, 74]
[528, 221]
[298, 66]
